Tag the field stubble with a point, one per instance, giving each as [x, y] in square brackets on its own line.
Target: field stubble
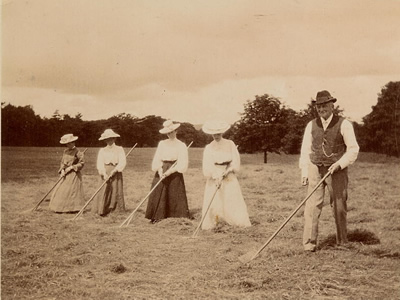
[49, 256]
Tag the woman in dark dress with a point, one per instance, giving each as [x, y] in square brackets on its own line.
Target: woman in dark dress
[111, 161]
[169, 198]
[68, 195]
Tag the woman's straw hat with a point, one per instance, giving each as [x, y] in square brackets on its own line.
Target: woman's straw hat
[107, 134]
[215, 127]
[169, 126]
[68, 138]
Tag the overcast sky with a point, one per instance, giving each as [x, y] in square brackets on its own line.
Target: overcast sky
[195, 60]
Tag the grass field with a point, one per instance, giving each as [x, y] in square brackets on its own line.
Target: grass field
[47, 256]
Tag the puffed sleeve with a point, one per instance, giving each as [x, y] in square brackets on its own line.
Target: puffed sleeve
[183, 159]
[235, 164]
[79, 161]
[208, 164]
[121, 160]
[100, 162]
[157, 162]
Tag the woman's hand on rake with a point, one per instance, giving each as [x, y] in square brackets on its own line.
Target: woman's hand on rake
[167, 173]
[113, 172]
[218, 181]
[68, 169]
[226, 172]
[104, 176]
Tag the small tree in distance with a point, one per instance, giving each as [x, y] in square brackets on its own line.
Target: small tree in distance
[261, 126]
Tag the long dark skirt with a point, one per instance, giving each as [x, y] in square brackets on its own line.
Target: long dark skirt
[111, 196]
[169, 199]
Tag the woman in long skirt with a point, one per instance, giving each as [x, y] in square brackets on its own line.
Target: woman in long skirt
[221, 163]
[169, 199]
[68, 195]
[111, 161]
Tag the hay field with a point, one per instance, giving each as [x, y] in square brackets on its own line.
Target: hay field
[48, 256]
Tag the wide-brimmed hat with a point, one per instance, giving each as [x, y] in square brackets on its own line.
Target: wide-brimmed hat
[107, 134]
[68, 138]
[323, 97]
[215, 127]
[169, 126]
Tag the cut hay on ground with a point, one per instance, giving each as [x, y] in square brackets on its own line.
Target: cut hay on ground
[49, 256]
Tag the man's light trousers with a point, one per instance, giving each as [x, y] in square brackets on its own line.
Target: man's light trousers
[337, 188]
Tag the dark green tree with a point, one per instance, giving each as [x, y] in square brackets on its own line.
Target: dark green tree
[187, 134]
[19, 125]
[295, 125]
[381, 129]
[148, 131]
[262, 126]
[126, 126]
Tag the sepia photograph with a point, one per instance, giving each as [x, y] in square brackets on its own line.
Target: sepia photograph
[187, 149]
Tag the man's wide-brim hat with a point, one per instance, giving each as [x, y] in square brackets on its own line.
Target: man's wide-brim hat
[68, 138]
[323, 97]
[107, 134]
[215, 127]
[169, 126]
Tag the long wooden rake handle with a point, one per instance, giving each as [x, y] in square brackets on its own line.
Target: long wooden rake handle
[90, 200]
[128, 220]
[130, 217]
[129, 152]
[209, 205]
[44, 197]
[291, 215]
[98, 190]
[205, 214]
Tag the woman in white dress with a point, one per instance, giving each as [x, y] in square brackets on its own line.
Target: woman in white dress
[169, 199]
[111, 161]
[221, 162]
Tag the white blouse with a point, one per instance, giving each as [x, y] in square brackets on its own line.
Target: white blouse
[218, 153]
[114, 155]
[171, 150]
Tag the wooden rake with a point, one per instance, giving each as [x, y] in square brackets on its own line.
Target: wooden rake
[249, 256]
[206, 212]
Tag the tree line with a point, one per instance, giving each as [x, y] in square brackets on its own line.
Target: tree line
[20, 126]
[266, 125]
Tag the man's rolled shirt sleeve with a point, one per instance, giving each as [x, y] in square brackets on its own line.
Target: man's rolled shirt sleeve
[352, 148]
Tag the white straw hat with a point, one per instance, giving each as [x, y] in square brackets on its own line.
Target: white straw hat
[108, 133]
[215, 127]
[68, 138]
[169, 126]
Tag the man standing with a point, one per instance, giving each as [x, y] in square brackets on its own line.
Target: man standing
[329, 145]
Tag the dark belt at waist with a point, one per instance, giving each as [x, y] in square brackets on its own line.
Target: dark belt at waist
[169, 161]
[110, 164]
[225, 163]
